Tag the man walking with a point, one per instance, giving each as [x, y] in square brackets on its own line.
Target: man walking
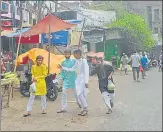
[68, 80]
[82, 70]
[135, 66]
[124, 61]
[104, 73]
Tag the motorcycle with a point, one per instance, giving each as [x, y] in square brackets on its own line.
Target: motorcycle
[51, 83]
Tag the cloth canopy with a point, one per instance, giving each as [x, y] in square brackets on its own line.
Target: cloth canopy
[55, 60]
[42, 26]
[6, 32]
[17, 33]
[98, 55]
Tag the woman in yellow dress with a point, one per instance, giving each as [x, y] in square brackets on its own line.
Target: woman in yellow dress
[39, 72]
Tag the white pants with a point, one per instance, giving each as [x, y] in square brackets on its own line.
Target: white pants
[65, 97]
[82, 99]
[31, 101]
[107, 97]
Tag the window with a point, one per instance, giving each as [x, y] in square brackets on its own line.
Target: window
[5, 7]
[155, 30]
[156, 14]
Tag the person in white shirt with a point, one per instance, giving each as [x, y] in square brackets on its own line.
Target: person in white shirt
[82, 70]
[135, 59]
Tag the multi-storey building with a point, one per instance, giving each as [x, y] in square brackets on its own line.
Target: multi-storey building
[11, 11]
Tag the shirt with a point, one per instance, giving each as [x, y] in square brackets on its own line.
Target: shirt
[68, 77]
[103, 72]
[135, 60]
[144, 62]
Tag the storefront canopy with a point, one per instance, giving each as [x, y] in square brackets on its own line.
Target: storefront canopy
[17, 33]
[42, 26]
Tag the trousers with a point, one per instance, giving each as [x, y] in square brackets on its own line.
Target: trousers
[31, 101]
[65, 97]
[108, 97]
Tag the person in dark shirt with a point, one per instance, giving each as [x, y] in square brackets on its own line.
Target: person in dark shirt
[104, 73]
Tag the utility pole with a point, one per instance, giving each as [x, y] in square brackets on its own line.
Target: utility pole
[0, 65]
[40, 3]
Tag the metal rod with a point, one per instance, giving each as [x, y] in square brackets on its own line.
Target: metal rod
[13, 19]
[21, 24]
[49, 41]
[81, 34]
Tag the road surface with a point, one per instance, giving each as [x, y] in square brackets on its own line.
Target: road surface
[138, 107]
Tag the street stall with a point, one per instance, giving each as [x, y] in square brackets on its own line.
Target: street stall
[8, 81]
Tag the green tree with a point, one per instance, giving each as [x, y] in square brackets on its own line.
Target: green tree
[135, 29]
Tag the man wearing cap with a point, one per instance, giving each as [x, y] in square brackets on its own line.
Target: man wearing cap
[68, 80]
[124, 61]
[81, 83]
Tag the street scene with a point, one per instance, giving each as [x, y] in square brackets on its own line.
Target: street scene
[138, 107]
[81, 65]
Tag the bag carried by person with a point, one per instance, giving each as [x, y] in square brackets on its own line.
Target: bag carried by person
[33, 88]
[141, 68]
[111, 86]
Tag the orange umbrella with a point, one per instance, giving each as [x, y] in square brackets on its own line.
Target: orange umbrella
[42, 26]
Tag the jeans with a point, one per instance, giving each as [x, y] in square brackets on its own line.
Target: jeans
[135, 71]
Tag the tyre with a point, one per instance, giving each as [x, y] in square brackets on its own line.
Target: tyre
[52, 92]
[24, 89]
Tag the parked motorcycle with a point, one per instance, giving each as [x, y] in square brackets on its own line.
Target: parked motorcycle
[51, 83]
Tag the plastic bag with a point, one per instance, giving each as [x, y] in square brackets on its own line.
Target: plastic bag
[141, 68]
[33, 88]
[111, 86]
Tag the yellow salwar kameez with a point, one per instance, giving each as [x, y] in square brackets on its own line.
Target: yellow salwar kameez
[39, 73]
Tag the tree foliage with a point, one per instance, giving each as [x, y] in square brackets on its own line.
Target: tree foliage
[137, 29]
[133, 26]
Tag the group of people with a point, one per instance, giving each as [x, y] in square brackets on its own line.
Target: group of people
[75, 77]
[139, 62]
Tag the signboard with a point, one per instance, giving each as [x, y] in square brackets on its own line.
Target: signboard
[57, 38]
[28, 40]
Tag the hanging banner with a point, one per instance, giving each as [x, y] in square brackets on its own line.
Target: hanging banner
[28, 40]
[57, 38]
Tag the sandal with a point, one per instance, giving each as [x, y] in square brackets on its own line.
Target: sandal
[61, 111]
[81, 113]
[44, 112]
[84, 113]
[27, 114]
[109, 111]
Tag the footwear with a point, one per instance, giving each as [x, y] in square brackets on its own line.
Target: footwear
[61, 111]
[84, 113]
[109, 111]
[27, 114]
[44, 112]
[138, 80]
[81, 113]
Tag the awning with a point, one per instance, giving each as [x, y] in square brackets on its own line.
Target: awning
[98, 54]
[17, 33]
[6, 32]
[73, 21]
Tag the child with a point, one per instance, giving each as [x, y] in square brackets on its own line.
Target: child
[104, 73]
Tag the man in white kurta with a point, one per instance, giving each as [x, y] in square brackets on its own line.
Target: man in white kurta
[82, 70]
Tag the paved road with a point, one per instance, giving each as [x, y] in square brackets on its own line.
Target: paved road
[138, 106]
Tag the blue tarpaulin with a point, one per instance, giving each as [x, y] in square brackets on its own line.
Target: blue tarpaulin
[57, 38]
